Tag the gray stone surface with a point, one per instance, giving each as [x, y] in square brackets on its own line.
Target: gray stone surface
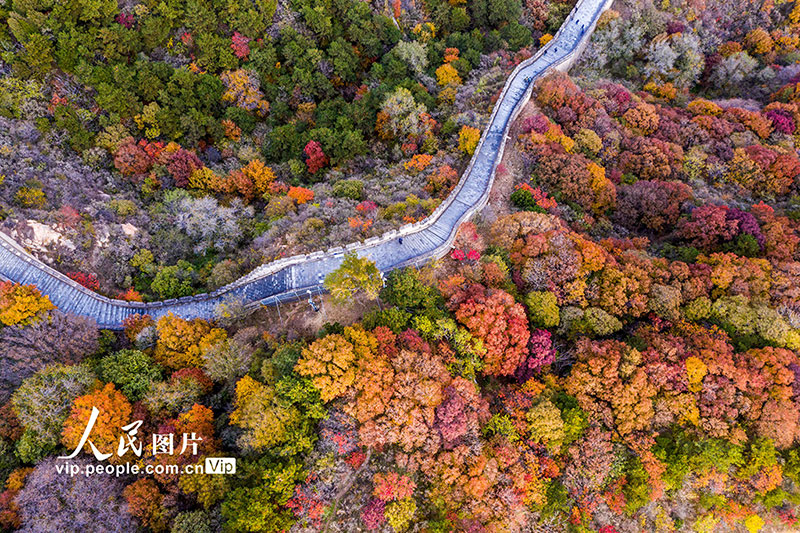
[290, 279]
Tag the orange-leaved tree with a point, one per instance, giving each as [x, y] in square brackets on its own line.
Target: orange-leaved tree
[114, 412]
[199, 420]
[145, 503]
[182, 342]
[610, 383]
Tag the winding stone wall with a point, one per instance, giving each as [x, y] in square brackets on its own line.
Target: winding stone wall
[294, 277]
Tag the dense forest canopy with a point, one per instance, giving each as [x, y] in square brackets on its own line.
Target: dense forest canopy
[212, 136]
[612, 345]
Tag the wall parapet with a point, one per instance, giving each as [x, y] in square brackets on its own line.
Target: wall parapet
[562, 61]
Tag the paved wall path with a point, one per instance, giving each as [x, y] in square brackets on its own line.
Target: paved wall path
[292, 278]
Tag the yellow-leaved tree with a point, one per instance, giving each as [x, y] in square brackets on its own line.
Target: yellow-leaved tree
[355, 274]
[21, 304]
[330, 363]
[468, 138]
[181, 343]
[268, 421]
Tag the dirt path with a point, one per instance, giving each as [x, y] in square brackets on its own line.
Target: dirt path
[503, 185]
[299, 320]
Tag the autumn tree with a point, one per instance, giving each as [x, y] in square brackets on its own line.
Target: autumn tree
[181, 165]
[131, 159]
[406, 289]
[759, 41]
[61, 338]
[591, 462]
[651, 158]
[314, 157]
[567, 173]
[182, 342]
[468, 138]
[770, 388]
[260, 502]
[492, 316]
[242, 88]
[209, 489]
[251, 181]
[545, 425]
[447, 75]
[406, 396]
[54, 502]
[401, 117]
[329, 362]
[9, 509]
[655, 205]
[21, 304]
[115, 412]
[42, 403]
[540, 354]
[301, 195]
[184, 388]
[442, 180]
[542, 308]
[145, 502]
[609, 382]
[132, 371]
[227, 360]
[199, 420]
[354, 275]
[642, 118]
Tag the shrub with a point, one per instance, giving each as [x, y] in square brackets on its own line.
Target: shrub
[301, 195]
[89, 281]
[353, 189]
[30, 197]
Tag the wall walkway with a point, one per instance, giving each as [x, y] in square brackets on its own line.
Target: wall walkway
[292, 278]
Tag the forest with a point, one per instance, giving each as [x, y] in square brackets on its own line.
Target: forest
[203, 140]
[611, 346]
